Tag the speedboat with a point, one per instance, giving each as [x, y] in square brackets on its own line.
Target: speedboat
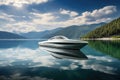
[62, 42]
[62, 47]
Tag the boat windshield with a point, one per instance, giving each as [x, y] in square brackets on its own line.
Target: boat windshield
[58, 37]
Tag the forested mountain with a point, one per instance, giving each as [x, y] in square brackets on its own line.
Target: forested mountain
[111, 29]
[8, 35]
[73, 32]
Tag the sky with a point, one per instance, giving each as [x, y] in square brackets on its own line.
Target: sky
[22, 16]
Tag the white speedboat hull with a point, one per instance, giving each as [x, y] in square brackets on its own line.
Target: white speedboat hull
[63, 44]
[61, 47]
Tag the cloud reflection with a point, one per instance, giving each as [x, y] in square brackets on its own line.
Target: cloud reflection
[40, 58]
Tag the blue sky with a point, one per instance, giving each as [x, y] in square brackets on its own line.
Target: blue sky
[23, 16]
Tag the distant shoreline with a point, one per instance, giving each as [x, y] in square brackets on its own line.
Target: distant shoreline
[20, 39]
[100, 38]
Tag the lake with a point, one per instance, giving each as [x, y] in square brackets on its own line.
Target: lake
[25, 60]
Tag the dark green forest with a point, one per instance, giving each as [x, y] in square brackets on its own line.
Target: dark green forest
[111, 29]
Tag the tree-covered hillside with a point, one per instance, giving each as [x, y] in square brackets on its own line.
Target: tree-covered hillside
[74, 32]
[108, 30]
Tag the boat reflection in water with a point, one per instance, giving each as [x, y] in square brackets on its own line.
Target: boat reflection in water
[62, 47]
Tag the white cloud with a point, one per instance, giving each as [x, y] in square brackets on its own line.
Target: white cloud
[22, 26]
[41, 21]
[96, 63]
[98, 67]
[36, 23]
[102, 58]
[38, 56]
[96, 16]
[20, 3]
[70, 67]
[6, 17]
[104, 11]
[68, 12]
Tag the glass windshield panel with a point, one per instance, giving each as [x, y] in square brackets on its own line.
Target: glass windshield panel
[58, 37]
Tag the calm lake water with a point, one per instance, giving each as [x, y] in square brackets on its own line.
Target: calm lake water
[25, 60]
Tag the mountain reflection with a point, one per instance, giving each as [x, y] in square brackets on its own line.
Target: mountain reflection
[9, 43]
[111, 48]
[31, 44]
